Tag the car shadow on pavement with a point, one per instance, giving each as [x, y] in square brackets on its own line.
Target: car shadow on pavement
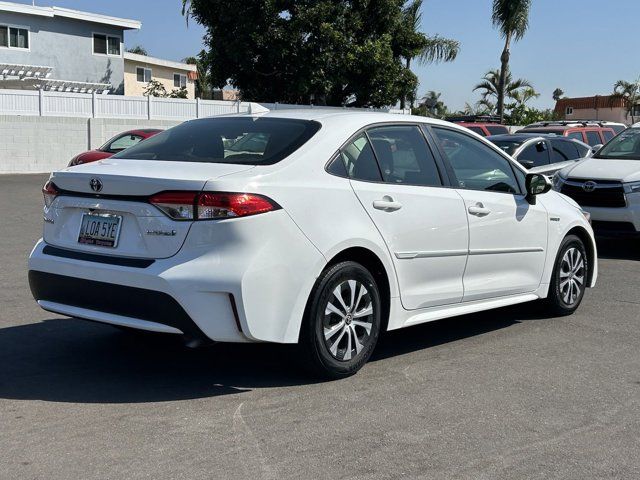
[68, 360]
[619, 249]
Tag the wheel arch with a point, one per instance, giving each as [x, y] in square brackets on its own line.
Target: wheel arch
[590, 246]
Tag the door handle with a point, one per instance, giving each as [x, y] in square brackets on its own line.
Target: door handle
[388, 204]
[479, 210]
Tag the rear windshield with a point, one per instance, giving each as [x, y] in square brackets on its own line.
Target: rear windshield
[497, 130]
[237, 140]
[507, 146]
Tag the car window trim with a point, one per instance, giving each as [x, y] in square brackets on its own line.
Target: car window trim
[509, 161]
[444, 177]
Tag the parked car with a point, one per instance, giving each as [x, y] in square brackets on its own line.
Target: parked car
[114, 145]
[542, 154]
[615, 126]
[608, 185]
[344, 225]
[483, 125]
[591, 134]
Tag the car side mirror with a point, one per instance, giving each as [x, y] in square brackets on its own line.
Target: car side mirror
[596, 148]
[540, 147]
[536, 184]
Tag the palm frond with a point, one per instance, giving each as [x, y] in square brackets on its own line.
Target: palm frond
[438, 49]
[511, 17]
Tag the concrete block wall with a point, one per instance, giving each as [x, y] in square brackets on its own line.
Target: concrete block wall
[30, 144]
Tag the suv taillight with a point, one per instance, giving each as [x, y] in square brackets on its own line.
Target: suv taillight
[211, 205]
[49, 192]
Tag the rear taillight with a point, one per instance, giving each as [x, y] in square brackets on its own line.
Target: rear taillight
[211, 205]
[49, 192]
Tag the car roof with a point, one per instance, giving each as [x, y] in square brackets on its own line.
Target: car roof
[521, 137]
[351, 118]
[552, 128]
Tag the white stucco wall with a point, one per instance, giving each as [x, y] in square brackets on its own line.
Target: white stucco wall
[43, 144]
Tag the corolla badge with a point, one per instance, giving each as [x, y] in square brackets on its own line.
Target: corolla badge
[95, 184]
[589, 186]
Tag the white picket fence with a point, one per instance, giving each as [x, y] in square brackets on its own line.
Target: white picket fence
[84, 105]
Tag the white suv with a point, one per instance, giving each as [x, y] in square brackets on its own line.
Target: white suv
[321, 228]
[608, 185]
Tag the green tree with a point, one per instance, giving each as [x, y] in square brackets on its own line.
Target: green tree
[430, 105]
[138, 49]
[630, 93]
[522, 97]
[511, 17]
[490, 87]
[203, 82]
[414, 44]
[557, 94]
[332, 52]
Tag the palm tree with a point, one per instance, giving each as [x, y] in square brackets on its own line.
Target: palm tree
[415, 44]
[630, 92]
[511, 17]
[490, 86]
[432, 103]
[521, 97]
[557, 94]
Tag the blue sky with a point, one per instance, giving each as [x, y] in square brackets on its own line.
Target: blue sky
[580, 46]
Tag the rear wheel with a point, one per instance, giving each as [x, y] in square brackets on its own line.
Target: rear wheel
[342, 321]
[569, 278]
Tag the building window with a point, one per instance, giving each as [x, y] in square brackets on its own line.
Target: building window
[568, 111]
[143, 75]
[179, 80]
[106, 44]
[14, 37]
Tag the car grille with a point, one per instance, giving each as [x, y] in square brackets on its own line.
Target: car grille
[603, 193]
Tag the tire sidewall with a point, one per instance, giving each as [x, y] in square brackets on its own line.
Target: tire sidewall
[570, 241]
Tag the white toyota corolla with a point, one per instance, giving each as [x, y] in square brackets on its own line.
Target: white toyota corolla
[323, 228]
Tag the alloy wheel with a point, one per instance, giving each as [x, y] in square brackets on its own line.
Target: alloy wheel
[572, 276]
[348, 320]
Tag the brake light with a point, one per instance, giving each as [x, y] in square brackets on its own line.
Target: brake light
[49, 192]
[211, 205]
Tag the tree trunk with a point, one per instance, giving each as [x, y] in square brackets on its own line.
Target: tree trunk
[504, 69]
[403, 100]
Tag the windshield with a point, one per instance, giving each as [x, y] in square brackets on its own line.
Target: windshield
[507, 146]
[625, 146]
[237, 140]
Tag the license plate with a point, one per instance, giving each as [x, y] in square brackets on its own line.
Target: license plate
[101, 229]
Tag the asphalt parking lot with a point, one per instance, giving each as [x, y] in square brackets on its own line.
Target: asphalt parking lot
[509, 394]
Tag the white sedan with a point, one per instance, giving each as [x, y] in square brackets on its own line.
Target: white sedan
[323, 228]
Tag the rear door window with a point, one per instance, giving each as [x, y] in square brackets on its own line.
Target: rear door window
[403, 155]
[563, 150]
[576, 136]
[608, 135]
[593, 138]
[534, 155]
[235, 140]
[477, 130]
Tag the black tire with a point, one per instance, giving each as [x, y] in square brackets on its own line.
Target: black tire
[563, 298]
[338, 355]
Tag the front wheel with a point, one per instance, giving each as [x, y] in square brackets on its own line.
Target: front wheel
[342, 320]
[569, 277]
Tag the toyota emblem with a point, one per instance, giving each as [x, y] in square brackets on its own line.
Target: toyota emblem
[95, 184]
[589, 186]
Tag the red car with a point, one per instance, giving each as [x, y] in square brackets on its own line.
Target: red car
[116, 144]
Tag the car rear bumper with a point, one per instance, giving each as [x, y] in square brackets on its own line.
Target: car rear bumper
[245, 281]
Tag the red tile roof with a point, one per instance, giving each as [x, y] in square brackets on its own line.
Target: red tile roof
[581, 103]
